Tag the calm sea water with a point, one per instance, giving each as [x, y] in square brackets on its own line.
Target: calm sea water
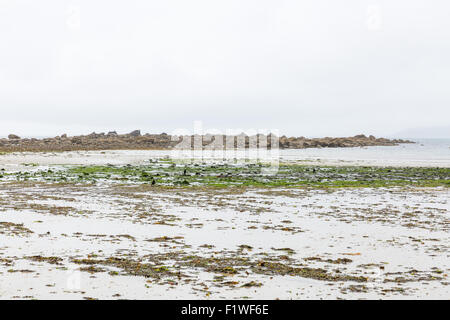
[424, 152]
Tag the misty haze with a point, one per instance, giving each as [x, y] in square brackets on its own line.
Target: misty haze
[240, 152]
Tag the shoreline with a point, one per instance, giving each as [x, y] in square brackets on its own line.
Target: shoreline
[336, 157]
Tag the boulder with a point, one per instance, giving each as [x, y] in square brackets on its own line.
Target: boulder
[76, 140]
[135, 133]
[13, 137]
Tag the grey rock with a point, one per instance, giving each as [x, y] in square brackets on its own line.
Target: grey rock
[135, 133]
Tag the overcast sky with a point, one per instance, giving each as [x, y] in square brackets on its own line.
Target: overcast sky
[304, 67]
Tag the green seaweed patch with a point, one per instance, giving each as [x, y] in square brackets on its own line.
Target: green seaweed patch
[170, 174]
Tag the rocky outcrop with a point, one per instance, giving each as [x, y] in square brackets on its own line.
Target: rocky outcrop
[135, 133]
[134, 140]
[327, 142]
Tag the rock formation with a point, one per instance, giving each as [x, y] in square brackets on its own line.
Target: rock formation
[134, 140]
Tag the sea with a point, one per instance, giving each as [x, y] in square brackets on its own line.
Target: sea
[422, 153]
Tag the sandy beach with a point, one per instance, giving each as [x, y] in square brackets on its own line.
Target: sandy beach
[91, 225]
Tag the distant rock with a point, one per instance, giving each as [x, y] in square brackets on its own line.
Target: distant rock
[76, 140]
[135, 141]
[135, 133]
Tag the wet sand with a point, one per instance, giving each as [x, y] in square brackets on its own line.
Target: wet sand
[135, 241]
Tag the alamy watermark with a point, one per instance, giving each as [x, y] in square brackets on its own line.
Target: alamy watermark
[73, 17]
[73, 278]
[374, 18]
[232, 145]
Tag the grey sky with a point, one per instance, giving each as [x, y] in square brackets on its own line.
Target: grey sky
[313, 68]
